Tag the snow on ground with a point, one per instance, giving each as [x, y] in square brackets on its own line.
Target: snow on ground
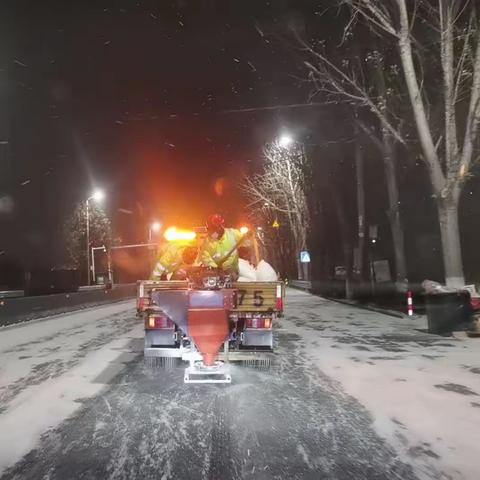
[47, 366]
[422, 390]
[289, 421]
[338, 369]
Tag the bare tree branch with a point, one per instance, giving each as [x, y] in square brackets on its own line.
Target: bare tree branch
[459, 71]
[446, 15]
[473, 118]
[329, 78]
[418, 107]
[281, 188]
[375, 12]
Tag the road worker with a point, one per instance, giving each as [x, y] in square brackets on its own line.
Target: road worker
[175, 260]
[220, 247]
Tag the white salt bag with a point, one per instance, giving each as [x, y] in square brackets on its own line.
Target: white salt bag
[265, 272]
[246, 271]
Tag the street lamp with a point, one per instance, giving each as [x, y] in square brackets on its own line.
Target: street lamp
[154, 228]
[285, 141]
[98, 196]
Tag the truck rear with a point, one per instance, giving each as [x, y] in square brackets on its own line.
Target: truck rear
[257, 305]
[252, 310]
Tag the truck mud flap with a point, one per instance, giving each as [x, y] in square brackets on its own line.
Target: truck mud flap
[166, 363]
[258, 363]
[167, 358]
[262, 358]
[257, 339]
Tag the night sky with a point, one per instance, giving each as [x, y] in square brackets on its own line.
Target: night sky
[166, 105]
[135, 97]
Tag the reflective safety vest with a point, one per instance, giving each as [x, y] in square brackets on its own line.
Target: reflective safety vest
[213, 250]
[170, 260]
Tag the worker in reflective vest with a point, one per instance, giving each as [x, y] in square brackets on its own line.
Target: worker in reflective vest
[219, 243]
[175, 260]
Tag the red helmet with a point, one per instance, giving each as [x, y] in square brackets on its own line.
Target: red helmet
[215, 222]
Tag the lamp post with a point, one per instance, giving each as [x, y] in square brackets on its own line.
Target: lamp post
[98, 196]
[288, 144]
[93, 259]
[153, 228]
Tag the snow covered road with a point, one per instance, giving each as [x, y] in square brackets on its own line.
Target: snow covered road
[352, 395]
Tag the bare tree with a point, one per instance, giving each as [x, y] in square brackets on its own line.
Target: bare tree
[360, 81]
[75, 232]
[281, 187]
[448, 150]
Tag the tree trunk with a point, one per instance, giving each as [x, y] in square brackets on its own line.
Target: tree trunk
[347, 254]
[359, 166]
[452, 250]
[394, 218]
[346, 241]
[447, 207]
[299, 267]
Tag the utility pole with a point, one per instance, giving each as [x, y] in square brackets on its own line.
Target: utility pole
[88, 240]
[359, 167]
[98, 196]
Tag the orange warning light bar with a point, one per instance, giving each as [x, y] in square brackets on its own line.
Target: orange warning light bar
[173, 234]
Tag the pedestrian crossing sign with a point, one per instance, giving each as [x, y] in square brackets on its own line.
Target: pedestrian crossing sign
[305, 256]
[275, 224]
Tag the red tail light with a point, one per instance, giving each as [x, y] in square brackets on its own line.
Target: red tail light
[159, 321]
[259, 322]
[279, 299]
[143, 303]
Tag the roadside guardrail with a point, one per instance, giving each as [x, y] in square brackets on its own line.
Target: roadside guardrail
[23, 309]
[301, 284]
[11, 293]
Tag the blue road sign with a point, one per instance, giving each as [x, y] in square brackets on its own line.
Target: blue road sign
[304, 257]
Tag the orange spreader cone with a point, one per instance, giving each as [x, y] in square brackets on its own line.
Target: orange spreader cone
[208, 329]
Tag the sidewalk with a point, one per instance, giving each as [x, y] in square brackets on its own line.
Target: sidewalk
[422, 390]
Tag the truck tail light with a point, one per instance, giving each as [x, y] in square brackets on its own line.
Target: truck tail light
[159, 321]
[143, 303]
[259, 322]
[278, 298]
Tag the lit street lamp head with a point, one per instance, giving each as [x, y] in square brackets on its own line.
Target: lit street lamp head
[156, 226]
[98, 195]
[285, 141]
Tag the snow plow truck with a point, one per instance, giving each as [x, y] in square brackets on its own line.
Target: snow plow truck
[209, 321]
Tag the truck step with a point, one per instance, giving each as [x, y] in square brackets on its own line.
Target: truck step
[200, 373]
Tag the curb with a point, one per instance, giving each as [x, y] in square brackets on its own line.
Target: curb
[352, 303]
[384, 311]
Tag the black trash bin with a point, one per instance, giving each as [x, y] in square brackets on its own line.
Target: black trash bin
[447, 310]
